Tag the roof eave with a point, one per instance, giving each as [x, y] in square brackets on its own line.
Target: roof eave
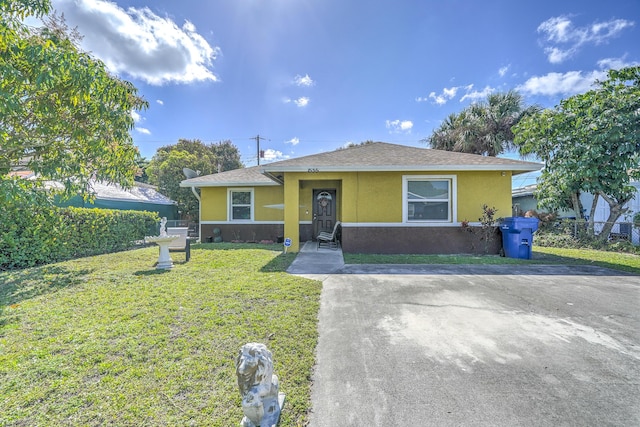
[406, 168]
[228, 184]
[273, 177]
[116, 199]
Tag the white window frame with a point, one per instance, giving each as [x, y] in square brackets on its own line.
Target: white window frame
[453, 202]
[230, 204]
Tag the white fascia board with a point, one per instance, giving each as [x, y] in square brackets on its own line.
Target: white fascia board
[426, 168]
[417, 224]
[151, 202]
[229, 184]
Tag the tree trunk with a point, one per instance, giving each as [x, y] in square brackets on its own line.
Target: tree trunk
[592, 214]
[577, 205]
[616, 209]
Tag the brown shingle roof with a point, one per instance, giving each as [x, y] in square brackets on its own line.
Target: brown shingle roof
[393, 157]
[377, 156]
[244, 176]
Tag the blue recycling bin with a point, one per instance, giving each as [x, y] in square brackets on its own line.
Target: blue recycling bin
[517, 236]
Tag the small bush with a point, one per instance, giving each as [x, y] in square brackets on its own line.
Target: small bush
[568, 236]
[36, 232]
[553, 240]
[623, 246]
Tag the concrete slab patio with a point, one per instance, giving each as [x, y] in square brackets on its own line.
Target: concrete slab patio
[316, 263]
[477, 346]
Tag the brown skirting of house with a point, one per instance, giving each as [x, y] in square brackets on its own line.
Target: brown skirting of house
[419, 240]
[374, 240]
[244, 232]
[251, 232]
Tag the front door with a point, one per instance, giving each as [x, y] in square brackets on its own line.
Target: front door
[324, 210]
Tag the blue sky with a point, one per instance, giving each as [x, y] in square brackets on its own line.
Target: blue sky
[315, 75]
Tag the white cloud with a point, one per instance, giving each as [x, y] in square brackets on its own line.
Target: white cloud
[450, 92]
[301, 102]
[446, 95]
[139, 43]
[616, 63]
[143, 130]
[475, 95]
[136, 116]
[303, 80]
[502, 71]
[569, 83]
[160, 101]
[293, 141]
[562, 40]
[438, 99]
[271, 155]
[399, 126]
[572, 82]
[557, 29]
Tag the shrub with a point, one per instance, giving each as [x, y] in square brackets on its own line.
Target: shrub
[555, 240]
[573, 234]
[36, 232]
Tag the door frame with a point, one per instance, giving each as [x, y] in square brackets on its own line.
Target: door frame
[314, 194]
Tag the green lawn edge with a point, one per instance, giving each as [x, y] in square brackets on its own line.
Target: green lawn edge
[629, 263]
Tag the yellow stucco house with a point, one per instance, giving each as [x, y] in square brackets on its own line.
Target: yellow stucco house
[389, 198]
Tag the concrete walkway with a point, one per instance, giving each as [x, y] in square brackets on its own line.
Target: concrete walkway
[465, 345]
[316, 263]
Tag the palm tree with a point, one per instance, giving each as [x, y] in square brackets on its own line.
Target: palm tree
[444, 137]
[482, 128]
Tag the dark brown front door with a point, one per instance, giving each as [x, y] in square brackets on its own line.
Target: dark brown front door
[324, 210]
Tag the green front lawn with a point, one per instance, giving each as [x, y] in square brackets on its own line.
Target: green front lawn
[108, 340]
[541, 255]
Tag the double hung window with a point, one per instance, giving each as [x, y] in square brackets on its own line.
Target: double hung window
[428, 199]
[241, 205]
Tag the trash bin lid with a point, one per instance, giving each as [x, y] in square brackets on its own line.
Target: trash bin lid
[519, 223]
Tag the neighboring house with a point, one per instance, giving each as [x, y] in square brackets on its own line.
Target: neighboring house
[602, 208]
[140, 197]
[524, 199]
[390, 198]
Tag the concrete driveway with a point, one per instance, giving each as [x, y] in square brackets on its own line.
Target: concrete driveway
[478, 346]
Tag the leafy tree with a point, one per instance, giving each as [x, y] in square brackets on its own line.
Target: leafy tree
[227, 156]
[62, 114]
[483, 128]
[165, 171]
[166, 168]
[353, 144]
[589, 143]
[141, 174]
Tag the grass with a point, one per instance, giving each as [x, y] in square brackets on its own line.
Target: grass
[108, 340]
[614, 260]
[541, 255]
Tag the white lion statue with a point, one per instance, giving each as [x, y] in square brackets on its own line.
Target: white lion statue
[257, 383]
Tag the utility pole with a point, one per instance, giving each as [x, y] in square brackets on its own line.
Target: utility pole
[258, 138]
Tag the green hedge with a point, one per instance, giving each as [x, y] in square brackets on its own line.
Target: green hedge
[39, 233]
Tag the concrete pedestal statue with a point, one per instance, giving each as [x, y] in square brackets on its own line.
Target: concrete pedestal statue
[261, 401]
[163, 241]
